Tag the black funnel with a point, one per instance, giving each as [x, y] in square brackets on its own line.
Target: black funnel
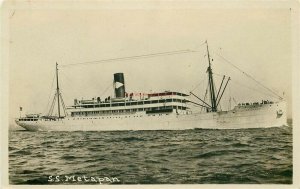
[119, 85]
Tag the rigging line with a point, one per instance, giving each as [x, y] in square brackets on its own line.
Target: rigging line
[63, 74]
[52, 105]
[198, 85]
[247, 75]
[202, 43]
[205, 94]
[69, 81]
[214, 87]
[229, 97]
[133, 57]
[220, 75]
[234, 101]
[250, 88]
[63, 103]
[50, 94]
[106, 90]
[61, 98]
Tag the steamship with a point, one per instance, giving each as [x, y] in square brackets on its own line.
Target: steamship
[167, 110]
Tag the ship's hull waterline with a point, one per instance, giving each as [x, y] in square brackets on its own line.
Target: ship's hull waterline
[262, 116]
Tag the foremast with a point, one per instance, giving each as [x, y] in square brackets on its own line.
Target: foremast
[59, 99]
[57, 91]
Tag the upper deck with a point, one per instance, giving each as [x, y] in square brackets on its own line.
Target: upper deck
[154, 102]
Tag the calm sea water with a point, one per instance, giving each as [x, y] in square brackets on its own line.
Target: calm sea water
[153, 157]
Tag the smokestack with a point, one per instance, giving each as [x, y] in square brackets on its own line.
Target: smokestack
[119, 85]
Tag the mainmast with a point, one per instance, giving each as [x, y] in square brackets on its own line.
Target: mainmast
[57, 91]
[211, 83]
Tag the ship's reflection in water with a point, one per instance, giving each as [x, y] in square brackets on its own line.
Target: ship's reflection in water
[153, 157]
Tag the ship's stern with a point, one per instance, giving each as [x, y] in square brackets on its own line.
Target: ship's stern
[281, 113]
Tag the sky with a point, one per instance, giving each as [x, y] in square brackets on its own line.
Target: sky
[256, 40]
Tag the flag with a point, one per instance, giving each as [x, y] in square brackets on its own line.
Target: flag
[21, 108]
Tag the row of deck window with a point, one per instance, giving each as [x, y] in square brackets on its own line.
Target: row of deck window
[88, 113]
[27, 119]
[130, 103]
[137, 116]
[115, 117]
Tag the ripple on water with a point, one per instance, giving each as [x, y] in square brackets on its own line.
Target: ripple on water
[155, 157]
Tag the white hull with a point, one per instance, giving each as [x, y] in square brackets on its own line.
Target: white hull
[262, 116]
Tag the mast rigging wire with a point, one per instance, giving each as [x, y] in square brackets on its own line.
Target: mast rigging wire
[167, 54]
[64, 107]
[206, 91]
[52, 105]
[246, 74]
[110, 86]
[132, 57]
[50, 94]
[266, 93]
[197, 85]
